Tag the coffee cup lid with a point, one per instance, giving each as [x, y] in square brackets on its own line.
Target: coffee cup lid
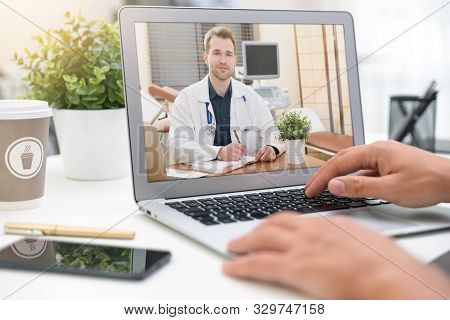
[24, 109]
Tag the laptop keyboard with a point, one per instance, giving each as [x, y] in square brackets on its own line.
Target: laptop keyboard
[232, 209]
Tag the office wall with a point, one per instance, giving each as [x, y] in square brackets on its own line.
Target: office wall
[16, 31]
[324, 85]
[284, 35]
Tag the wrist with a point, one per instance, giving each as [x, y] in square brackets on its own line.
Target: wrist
[446, 174]
[396, 282]
[219, 155]
[277, 152]
[383, 284]
[441, 170]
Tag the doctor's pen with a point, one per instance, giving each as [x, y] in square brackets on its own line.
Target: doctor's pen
[237, 137]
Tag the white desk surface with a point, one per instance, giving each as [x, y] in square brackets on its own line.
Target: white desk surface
[193, 273]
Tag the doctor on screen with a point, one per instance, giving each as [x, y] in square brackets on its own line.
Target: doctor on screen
[219, 117]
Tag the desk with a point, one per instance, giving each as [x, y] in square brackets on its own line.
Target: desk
[279, 164]
[329, 142]
[193, 273]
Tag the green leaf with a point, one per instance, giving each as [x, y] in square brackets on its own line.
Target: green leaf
[73, 99]
[88, 41]
[111, 96]
[90, 89]
[97, 71]
[88, 98]
[80, 91]
[100, 89]
[39, 39]
[95, 80]
[50, 73]
[70, 79]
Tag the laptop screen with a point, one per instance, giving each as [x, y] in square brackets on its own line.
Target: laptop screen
[230, 99]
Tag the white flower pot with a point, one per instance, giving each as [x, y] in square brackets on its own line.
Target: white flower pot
[295, 151]
[93, 143]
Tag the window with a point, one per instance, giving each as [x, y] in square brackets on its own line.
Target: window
[176, 60]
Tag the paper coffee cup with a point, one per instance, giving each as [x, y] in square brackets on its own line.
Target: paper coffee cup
[24, 128]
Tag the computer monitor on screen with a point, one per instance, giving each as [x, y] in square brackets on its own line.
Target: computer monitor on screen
[260, 60]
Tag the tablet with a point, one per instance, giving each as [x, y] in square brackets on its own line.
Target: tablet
[85, 259]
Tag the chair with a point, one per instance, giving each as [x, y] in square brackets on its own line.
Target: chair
[168, 95]
[165, 92]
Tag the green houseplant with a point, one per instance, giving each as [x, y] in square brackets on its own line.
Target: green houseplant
[77, 70]
[77, 66]
[294, 129]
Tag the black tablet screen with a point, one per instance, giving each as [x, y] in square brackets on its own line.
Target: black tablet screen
[88, 259]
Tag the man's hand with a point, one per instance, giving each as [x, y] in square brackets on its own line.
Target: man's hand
[266, 153]
[232, 152]
[333, 258]
[389, 170]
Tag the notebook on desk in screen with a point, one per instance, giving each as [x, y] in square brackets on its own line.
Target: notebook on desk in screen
[218, 166]
[164, 46]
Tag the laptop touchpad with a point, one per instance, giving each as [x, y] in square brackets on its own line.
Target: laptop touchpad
[376, 219]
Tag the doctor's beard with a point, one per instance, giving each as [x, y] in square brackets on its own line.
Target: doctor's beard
[222, 75]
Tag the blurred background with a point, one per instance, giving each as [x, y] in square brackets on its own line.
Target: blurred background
[401, 45]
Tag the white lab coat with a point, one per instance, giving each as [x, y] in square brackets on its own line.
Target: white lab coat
[189, 139]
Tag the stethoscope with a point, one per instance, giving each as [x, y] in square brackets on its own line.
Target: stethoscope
[211, 129]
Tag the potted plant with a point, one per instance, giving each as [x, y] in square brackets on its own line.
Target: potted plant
[77, 69]
[294, 130]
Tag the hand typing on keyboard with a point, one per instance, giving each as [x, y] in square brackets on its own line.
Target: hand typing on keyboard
[321, 257]
[388, 170]
[336, 258]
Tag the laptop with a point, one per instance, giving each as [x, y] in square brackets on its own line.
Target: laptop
[314, 67]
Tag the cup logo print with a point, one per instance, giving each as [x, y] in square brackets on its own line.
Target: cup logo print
[24, 157]
[29, 248]
[27, 158]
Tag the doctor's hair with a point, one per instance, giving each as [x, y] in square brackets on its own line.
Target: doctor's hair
[221, 32]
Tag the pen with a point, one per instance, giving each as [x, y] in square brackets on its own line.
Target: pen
[237, 137]
[57, 230]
